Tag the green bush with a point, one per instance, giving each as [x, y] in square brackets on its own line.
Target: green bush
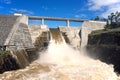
[3, 53]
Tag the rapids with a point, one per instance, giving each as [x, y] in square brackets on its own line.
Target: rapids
[62, 62]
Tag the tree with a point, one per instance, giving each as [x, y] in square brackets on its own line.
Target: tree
[117, 18]
[97, 18]
[114, 19]
[103, 19]
[107, 26]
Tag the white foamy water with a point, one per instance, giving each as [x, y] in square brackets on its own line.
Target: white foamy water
[61, 62]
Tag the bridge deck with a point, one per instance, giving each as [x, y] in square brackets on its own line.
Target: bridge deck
[55, 19]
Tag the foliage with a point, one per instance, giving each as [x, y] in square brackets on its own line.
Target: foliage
[107, 26]
[114, 17]
[97, 32]
[113, 20]
[4, 53]
[97, 18]
[7, 62]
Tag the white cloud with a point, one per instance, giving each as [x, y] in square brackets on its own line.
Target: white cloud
[106, 6]
[112, 8]
[21, 11]
[6, 1]
[98, 4]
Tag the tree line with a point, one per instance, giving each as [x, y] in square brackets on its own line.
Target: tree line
[113, 20]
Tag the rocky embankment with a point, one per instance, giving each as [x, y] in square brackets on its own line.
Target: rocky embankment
[7, 62]
[105, 45]
[13, 60]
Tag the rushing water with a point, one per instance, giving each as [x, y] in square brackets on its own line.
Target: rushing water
[61, 62]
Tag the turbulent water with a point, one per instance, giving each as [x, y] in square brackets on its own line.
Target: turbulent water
[61, 62]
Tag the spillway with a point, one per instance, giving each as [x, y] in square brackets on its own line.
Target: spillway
[62, 62]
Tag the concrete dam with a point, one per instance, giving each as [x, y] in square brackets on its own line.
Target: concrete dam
[43, 53]
[14, 32]
[17, 34]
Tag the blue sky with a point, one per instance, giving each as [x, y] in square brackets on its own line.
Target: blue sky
[80, 9]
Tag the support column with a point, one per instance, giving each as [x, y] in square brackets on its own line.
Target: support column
[68, 23]
[42, 21]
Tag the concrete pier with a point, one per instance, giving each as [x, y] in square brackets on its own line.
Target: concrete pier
[68, 23]
[43, 21]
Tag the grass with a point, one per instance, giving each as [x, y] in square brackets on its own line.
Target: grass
[105, 31]
[104, 45]
[2, 53]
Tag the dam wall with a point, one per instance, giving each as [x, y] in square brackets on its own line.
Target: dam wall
[14, 36]
[36, 31]
[6, 24]
[14, 32]
[21, 37]
[18, 35]
[71, 36]
[78, 36]
[87, 28]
